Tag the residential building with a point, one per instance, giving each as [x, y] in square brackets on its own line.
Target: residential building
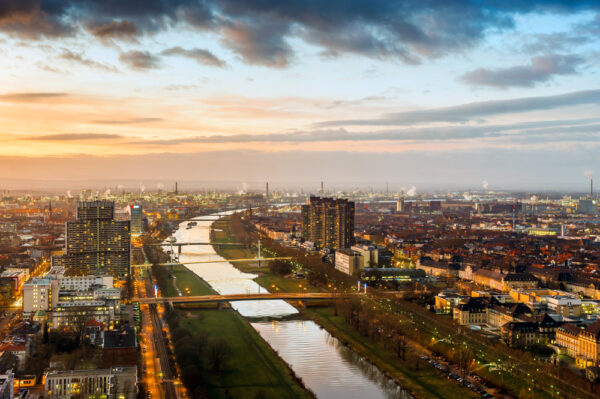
[328, 222]
[96, 243]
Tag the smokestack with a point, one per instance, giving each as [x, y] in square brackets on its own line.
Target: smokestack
[322, 187]
[591, 186]
[267, 191]
[175, 188]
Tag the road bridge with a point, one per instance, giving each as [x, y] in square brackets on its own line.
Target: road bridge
[246, 297]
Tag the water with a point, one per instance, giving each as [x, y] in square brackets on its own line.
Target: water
[327, 367]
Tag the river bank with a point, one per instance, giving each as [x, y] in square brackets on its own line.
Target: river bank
[252, 369]
[417, 377]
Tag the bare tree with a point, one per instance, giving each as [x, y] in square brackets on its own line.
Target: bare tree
[218, 353]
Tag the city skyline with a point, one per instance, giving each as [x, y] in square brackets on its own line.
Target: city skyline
[413, 93]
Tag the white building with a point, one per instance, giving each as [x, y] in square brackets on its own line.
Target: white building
[39, 294]
[369, 254]
[72, 300]
[348, 261]
[115, 382]
[84, 283]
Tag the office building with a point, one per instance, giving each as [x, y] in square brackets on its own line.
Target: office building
[96, 243]
[136, 217]
[369, 255]
[348, 261]
[328, 222]
[114, 382]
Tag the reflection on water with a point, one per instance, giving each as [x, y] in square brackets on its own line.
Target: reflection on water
[327, 367]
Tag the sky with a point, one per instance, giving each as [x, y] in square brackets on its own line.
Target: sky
[429, 92]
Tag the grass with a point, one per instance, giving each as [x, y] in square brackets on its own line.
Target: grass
[187, 280]
[254, 370]
[423, 381]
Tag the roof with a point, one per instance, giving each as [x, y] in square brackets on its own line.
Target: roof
[10, 347]
[548, 321]
[594, 329]
[520, 277]
[120, 339]
[520, 309]
[524, 326]
[473, 304]
[570, 328]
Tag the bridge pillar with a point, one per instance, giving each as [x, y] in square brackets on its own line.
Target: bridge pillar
[219, 305]
[179, 249]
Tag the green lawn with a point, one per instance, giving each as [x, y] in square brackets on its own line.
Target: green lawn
[186, 280]
[253, 367]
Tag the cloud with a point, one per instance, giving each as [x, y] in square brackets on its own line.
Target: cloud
[259, 43]
[140, 59]
[28, 19]
[260, 32]
[123, 30]
[541, 69]
[29, 97]
[201, 56]
[81, 59]
[75, 137]
[559, 130]
[474, 111]
[126, 121]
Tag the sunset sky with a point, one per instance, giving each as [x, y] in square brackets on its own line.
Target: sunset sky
[410, 92]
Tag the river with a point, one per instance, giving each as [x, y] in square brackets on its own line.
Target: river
[327, 367]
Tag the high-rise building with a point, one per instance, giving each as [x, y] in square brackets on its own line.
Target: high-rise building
[136, 216]
[96, 243]
[328, 222]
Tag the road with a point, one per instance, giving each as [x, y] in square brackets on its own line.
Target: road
[168, 390]
[157, 373]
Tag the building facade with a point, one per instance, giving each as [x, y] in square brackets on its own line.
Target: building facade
[348, 261]
[328, 222]
[114, 382]
[136, 217]
[96, 243]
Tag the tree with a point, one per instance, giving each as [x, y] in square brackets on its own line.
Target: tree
[191, 376]
[280, 267]
[218, 353]
[400, 345]
[464, 359]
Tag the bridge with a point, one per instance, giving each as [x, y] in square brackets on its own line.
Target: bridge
[246, 297]
[215, 261]
[180, 244]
